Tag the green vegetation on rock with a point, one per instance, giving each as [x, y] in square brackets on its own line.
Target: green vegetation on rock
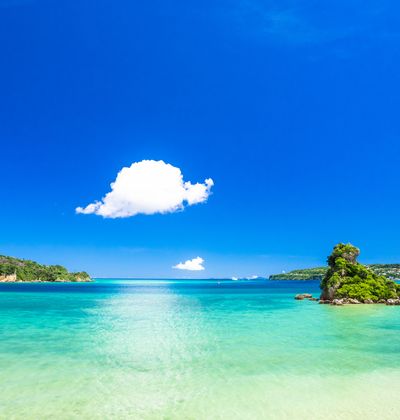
[26, 270]
[346, 278]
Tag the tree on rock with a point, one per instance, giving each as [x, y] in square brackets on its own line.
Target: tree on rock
[346, 278]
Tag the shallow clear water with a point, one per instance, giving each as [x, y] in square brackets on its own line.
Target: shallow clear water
[194, 350]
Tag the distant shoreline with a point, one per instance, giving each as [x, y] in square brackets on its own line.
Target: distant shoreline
[391, 271]
[2, 281]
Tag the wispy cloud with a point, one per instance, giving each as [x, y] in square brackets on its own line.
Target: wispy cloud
[306, 23]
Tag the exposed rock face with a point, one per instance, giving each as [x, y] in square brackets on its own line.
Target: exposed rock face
[353, 301]
[8, 278]
[329, 293]
[348, 281]
[393, 302]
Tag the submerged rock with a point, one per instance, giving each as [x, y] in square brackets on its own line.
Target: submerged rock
[303, 296]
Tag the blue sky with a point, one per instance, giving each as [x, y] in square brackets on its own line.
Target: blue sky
[292, 108]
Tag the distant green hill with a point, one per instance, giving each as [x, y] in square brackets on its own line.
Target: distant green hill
[304, 274]
[15, 269]
[388, 270]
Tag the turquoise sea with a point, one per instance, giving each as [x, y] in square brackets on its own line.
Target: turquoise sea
[140, 349]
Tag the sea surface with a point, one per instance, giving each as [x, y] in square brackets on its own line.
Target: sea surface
[152, 349]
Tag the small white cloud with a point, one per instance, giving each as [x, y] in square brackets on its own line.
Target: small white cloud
[148, 187]
[196, 264]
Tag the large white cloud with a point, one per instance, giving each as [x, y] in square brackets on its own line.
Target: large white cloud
[195, 264]
[148, 187]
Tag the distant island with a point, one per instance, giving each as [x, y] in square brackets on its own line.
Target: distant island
[391, 271]
[19, 270]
